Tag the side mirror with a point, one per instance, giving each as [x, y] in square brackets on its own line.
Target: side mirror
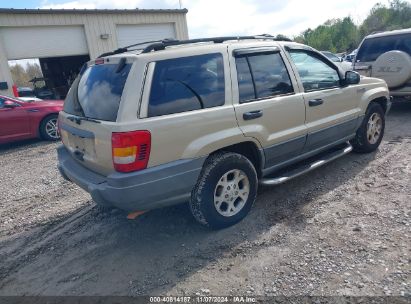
[352, 77]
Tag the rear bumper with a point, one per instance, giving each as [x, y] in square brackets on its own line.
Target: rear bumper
[151, 188]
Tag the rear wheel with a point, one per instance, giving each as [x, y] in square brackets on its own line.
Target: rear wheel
[225, 191]
[48, 128]
[371, 132]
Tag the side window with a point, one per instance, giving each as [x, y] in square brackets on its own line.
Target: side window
[315, 73]
[187, 84]
[245, 81]
[261, 76]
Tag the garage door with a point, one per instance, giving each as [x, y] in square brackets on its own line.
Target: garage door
[44, 41]
[131, 34]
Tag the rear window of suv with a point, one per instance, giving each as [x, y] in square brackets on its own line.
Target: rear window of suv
[187, 84]
[372, 48]
[96, 93]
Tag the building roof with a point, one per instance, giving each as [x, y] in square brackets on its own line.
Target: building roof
[90, 11]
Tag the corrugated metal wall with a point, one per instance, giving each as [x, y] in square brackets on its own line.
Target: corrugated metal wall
[95, 23]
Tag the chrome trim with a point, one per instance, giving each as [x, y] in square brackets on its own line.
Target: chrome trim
[307, 168]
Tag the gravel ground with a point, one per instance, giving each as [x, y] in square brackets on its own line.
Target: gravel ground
[343, 229]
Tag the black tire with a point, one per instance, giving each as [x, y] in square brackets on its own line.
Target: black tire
[215, 168]
[361, 142]
[44, 132]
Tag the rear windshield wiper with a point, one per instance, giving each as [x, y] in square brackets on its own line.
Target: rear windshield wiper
[78, 119]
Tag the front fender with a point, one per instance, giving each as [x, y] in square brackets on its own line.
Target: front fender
[373, 91]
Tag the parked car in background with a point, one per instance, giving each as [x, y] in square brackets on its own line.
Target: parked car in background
[213, 118]
[20, 119]
[346, 66]
[350, 56]
[387, 55]
[341, 55]
[40, 90]
[25, 92]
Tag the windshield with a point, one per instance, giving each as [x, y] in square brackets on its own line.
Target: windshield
[96, 93]
[331, 56]
[372, 48]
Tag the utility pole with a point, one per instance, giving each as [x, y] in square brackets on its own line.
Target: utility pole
[181, 3]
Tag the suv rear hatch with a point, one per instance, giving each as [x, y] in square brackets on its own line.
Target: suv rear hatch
[371, 48]
[90, 112]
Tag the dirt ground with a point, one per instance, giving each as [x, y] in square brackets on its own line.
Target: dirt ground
[343, 229]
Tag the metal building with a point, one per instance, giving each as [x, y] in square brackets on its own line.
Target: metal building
[64, 39]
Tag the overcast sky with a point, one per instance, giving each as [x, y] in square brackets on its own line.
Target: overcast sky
[232, 17]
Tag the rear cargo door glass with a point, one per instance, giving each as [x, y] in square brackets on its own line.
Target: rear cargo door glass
[97, 92]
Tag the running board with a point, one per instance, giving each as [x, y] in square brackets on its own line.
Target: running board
[306, 166]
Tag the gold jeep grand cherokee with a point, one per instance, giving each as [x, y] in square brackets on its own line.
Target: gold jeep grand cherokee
[205, 121]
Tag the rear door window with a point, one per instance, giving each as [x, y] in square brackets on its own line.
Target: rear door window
[97, 91]
[372, 48]
[187, 84]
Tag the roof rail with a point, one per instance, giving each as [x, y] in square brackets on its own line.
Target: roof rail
[125, 48]
[163, 44]
[158, 45]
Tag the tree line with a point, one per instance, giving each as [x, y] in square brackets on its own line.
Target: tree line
[23, 74]
[343, 35]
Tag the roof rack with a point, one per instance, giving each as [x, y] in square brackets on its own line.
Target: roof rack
[126, 48]
[162, 44]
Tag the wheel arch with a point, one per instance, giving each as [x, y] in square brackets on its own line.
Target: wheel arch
[250, 150]
[382, 101]
[42, 120]
[377, 95]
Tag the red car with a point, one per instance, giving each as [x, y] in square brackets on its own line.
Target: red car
[28, 119]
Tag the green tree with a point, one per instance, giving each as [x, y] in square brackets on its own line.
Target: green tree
[343, 35]
[382, 18]
[282, 37]
[22, 76]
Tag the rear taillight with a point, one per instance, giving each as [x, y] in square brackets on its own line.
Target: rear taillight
[131, 150]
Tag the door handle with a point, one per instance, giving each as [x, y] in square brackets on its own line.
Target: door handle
[252, 115]
[33, 110]
[315, 102]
